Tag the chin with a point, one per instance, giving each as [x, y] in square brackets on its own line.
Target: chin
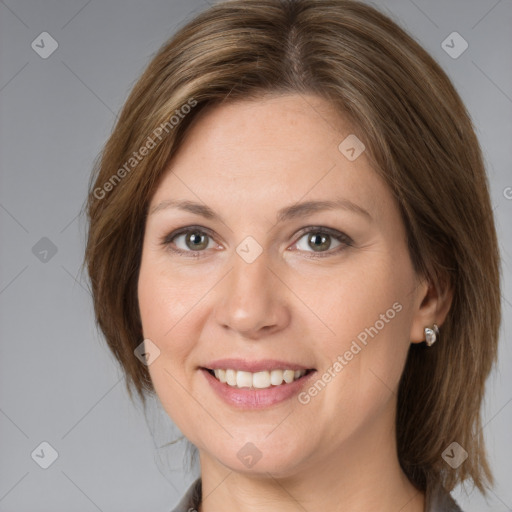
[278, 457]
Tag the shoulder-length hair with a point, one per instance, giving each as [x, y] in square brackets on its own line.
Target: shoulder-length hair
[419, 138]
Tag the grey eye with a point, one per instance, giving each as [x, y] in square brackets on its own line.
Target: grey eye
[194, 240]
[318, 241]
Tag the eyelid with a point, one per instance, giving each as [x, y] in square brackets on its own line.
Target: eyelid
[335, 233]
[187, 229]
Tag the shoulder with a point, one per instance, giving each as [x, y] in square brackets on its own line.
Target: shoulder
[439, 499]
[191, 499]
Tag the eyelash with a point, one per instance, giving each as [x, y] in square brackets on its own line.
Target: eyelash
[344, 239]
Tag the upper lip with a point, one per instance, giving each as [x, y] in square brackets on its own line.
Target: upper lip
[254, 366]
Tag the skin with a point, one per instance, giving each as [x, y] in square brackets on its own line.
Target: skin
[246, 160]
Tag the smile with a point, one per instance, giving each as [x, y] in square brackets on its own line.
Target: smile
[258, 380]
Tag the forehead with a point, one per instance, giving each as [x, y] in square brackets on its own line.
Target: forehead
[275, 150]
[277, 123]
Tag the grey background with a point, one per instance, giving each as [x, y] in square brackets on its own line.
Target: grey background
[58, 382]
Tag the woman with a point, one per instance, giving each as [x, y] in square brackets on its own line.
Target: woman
[291, 243]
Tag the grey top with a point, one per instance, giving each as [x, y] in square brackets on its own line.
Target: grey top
[437, 500]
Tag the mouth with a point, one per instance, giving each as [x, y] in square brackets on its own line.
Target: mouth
[252, 384]
[265, 379]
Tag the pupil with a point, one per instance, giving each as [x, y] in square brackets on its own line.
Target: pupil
[195, 239]
[319, 241]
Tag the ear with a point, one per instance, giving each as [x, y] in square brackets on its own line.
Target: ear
[432, 305]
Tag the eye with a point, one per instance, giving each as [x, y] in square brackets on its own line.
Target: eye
[193, 240]
[189, 240]
[320, 241]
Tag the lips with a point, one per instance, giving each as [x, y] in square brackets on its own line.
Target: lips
[255, 384]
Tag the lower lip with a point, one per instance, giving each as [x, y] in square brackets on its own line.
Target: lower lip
[247, 398]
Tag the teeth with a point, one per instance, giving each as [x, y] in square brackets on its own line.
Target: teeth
[261, 380]
[258, 380]
[231, 377]
[243, 379]
[288, 376]
[276, 377]
[221, 375]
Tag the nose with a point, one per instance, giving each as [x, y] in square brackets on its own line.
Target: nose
[252, 299]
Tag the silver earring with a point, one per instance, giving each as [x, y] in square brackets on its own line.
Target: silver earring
[431, 335]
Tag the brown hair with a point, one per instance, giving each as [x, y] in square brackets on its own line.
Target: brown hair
[419, 137]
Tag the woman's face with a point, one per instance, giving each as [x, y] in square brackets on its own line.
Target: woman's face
[270, 251]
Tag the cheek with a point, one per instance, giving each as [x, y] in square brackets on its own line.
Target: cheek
[367, 297]
[165, 297]
[369, 306]
[163, 309]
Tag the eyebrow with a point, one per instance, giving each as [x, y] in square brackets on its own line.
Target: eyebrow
[294, 211]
